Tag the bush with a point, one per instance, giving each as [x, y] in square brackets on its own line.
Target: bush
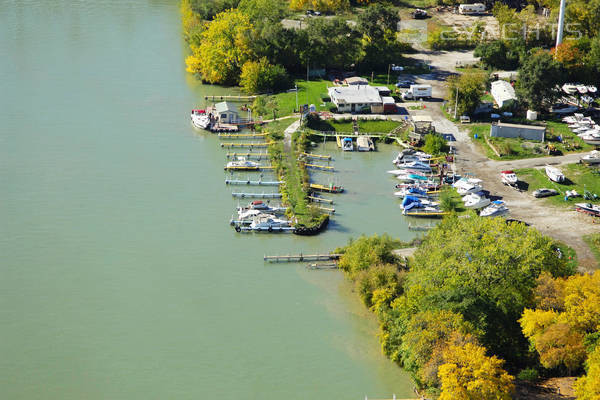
[435, 144]
[529, 375]
[261, 76]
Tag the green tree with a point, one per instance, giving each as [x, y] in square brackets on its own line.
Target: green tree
[331, 43]
[366, 251]
[386, 276]
[263, 12]
[435, 144]
[208, 9]
[376, 20]
[496, 54]
[469, 87]
[538, 76]
[224, 48]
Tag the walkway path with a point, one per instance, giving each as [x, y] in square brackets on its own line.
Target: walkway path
[287, 135]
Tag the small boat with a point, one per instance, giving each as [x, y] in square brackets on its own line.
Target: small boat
[412, 178]
[416, 208]
[331, 188]
[509, 177]
[569, 88]
[582, 89]
[592, 158]
[266, 222]
[200, 119]
[261, 206]
[408, 155]
[476, 201]
[243, 164]
[592, 89]
[347, 144]
[412, 192]
[468, 188]
[554, 174]
[591, 138]
[364, 143]
[414, 165]
[496, 209]
[588, 208]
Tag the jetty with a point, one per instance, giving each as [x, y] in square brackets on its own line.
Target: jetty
[326, 209]
[252, 183]
[229, 98]
[257, 195]
[249, 144]
[320, 167]
[322, 265]
[302, 257]
[247, 168]
[320, 199]
[242, 135]
[256, 156]
[420, 228]
[329, 188]
[316, 156]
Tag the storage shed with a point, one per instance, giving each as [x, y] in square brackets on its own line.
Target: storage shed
[389, 105]
[227, 112]
[527, 132]
[503, 93]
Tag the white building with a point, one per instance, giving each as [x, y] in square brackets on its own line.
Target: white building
[503, 93]
[356, 98]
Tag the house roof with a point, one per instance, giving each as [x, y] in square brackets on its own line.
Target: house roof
[382, 88]
[363, 94]
[502, 91]
[388, 100]
[518, 126]
[225, 106]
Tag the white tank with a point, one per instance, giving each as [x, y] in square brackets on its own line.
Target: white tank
[532, 115]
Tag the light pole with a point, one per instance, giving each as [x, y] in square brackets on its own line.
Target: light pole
[456, 103]
[296, 86]
[561, 23]
[388, 76]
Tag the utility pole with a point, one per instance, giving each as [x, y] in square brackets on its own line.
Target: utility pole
[561, 23]
[307, 78]
[456, 103]
[297, 109]
[388, 78]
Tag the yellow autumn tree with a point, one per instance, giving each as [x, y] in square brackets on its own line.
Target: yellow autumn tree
[189, 19]
[588, 386]
[469, 374]
[582, 301]
[224, 48]
[320, 5]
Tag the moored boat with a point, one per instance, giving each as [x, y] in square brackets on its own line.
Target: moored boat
[476, 201]
[242, 164]
[200, 119]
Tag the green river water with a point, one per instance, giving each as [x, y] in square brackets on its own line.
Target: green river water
[120, 277]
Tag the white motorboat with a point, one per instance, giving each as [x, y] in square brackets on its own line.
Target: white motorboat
[414, 165]
[416, 207]
[554, 174]
[569, 88]
[509, 178]
[242, 163]
[260, 207]
[582, 89]
[592, 89]
[592, 158]
[476, 201]
[468, 188]
[591, 138]
[496, 209]
[266, 222]
[588, 208]
[347, 144]
[200, 119]
[408, 155]
[412, 192]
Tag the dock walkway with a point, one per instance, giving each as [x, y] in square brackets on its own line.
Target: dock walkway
[303, 257]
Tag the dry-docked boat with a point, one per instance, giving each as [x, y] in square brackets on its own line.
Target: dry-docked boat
[592, 138]
[554, 174]
[476, 201]
[592, 158]
[496, 209]
[509, 177]
[588, 208]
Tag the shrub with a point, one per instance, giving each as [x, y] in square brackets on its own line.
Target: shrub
[529, 375]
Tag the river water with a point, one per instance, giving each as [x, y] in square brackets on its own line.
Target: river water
[120, 277]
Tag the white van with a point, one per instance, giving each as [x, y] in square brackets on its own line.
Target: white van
[417, 92]
[476, 8]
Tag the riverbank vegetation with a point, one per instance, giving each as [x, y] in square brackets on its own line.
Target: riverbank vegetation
[451, 315]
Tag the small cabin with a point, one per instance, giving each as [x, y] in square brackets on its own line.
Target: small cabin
[227, 112]
[527, 132]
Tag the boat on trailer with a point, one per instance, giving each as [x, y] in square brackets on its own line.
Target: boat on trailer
[509, 178]
[588, 208]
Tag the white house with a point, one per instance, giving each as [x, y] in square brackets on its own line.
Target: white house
[356, 98]
[503, 93]
[227, 112]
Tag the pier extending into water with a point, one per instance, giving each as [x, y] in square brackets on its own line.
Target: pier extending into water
[257, 195]
[229, 98]
[316, 156]
[320, 167]
[320, 199]
[303, 257]
[249, 144]
[256, 156]
[252, 183]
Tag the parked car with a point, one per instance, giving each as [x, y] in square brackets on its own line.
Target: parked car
[544, 192]
[419, 14]
[405, 83]
[563, 109]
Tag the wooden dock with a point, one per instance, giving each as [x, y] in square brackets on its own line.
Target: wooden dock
[252, 183]
[303, 257]
[329, 188]
[256, 156]
[326, 209]
[241, 168]
[250, 144]
[257, 195]
[320, 167]
[322, 265]
[320, 200]
[242, 135]
[316, 156]
[229, 98]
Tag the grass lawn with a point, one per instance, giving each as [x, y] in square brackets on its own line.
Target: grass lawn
[364, 126]
[516, 149]
[277, 126]
[593, 241]
[308, 93]
[579, 178]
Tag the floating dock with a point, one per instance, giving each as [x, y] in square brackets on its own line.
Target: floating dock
[256, 156]
[251, 145]
[320, 167]
[329, 210]
[242, 135]
[303, 257]
[320, 199]
[288, 229]
[322, 265]
[257, 195]
[240, 168]
[329, 188]
[420, 228]
[252, 183]
[316, 156]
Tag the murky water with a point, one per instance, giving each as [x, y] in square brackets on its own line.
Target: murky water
[120, 277]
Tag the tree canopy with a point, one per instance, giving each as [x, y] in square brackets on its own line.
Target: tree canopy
[538, 76]
[470, 87]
